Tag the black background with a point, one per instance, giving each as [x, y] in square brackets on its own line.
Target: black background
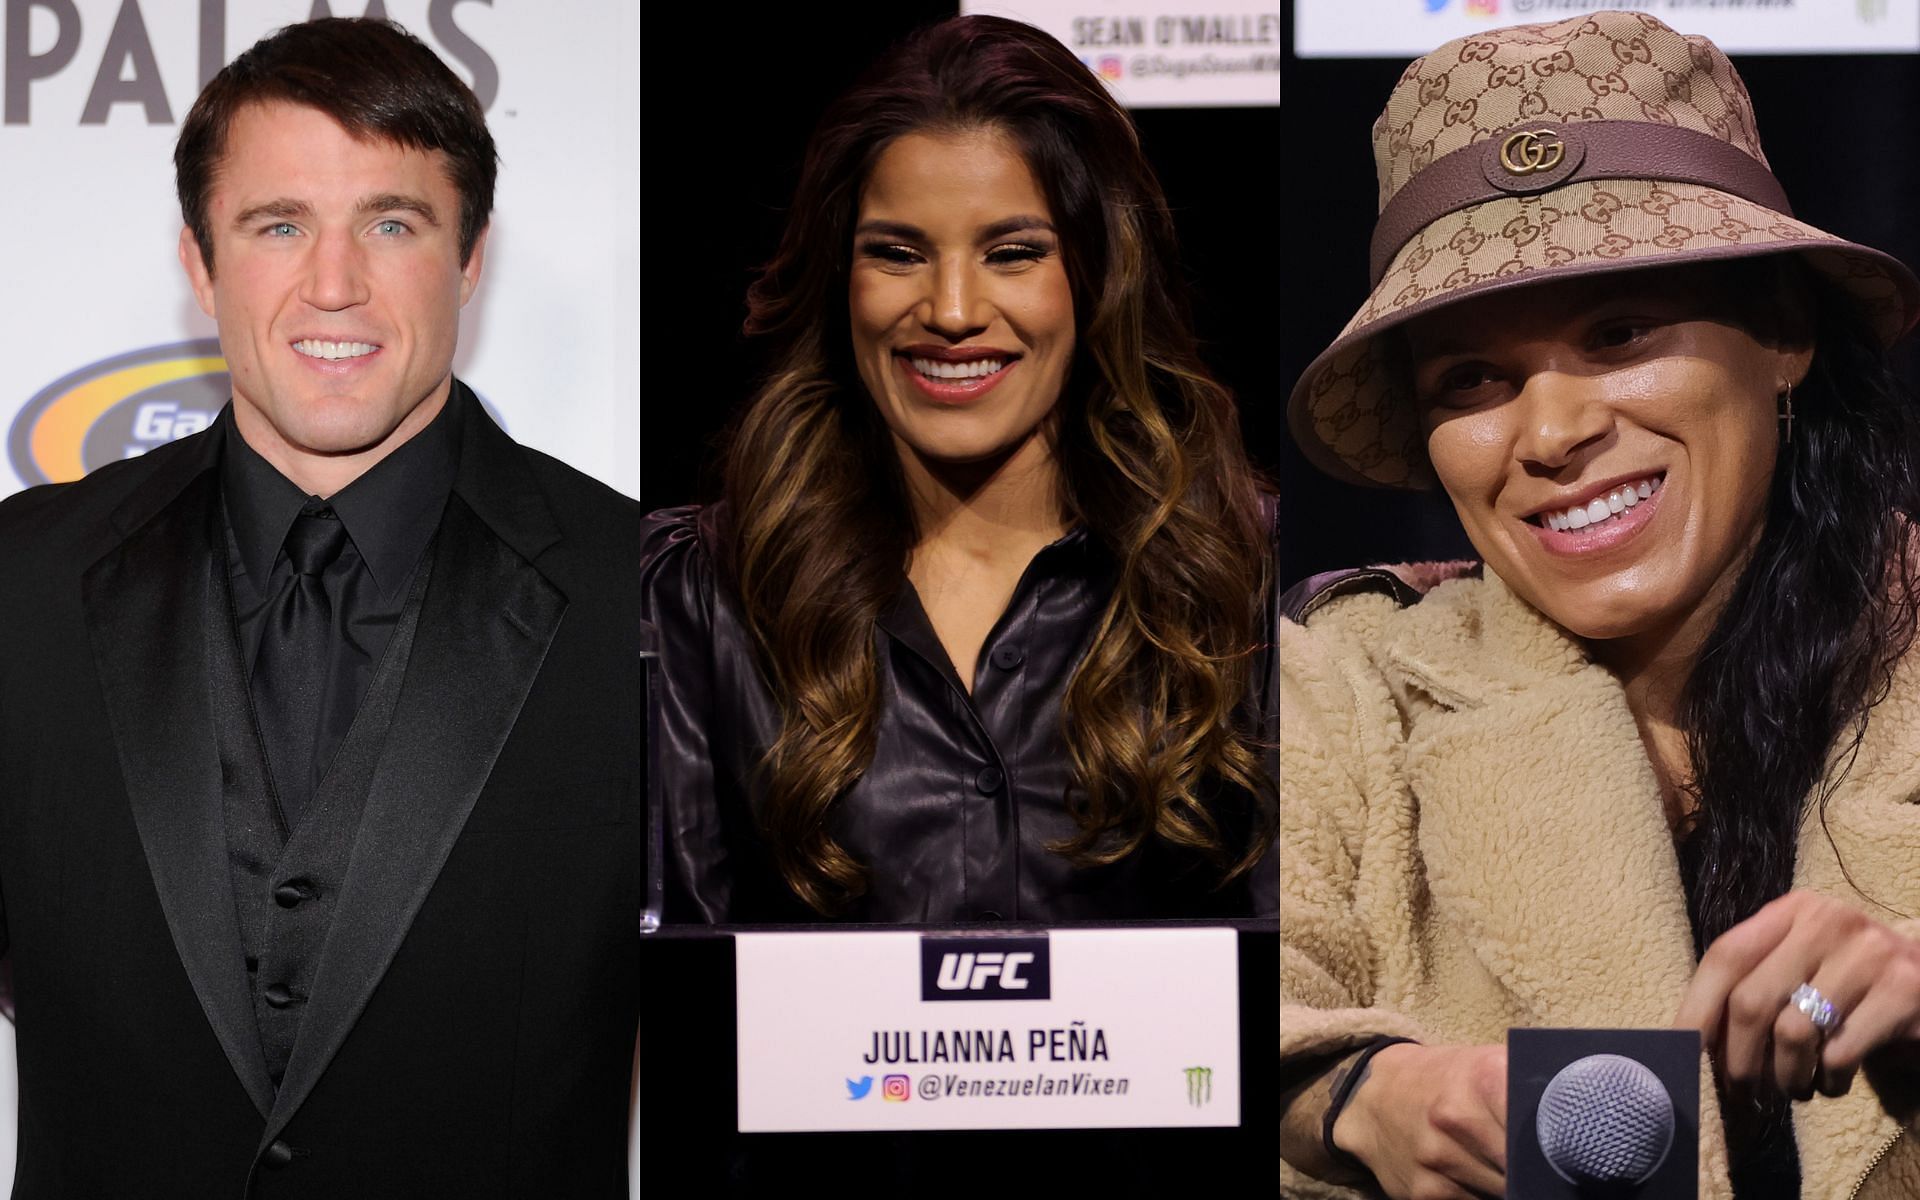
[721, 145]
[728, 99]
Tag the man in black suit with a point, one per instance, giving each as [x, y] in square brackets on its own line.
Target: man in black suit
[320, 836]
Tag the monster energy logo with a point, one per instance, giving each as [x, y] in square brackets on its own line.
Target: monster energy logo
[1199, 1085]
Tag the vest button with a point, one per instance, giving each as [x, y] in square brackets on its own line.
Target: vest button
[289, 894]
[989, 780]
[277, 1155]
[279, 995]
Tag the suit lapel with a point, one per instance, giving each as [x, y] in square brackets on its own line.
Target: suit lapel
[144, 602]
[485, 623]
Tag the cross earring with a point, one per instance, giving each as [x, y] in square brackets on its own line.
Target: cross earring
[1786, 415]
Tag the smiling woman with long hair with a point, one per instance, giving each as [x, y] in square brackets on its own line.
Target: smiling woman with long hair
[1653, 761]
[982, 628]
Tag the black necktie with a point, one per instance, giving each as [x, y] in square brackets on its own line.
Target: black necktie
[290, 670]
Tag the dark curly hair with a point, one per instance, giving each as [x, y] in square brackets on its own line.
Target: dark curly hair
[1779, 698]
[1825, 608]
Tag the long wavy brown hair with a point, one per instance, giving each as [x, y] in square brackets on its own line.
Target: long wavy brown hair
[820, 530]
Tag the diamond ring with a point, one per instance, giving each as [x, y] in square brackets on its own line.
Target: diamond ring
[1815, 1008]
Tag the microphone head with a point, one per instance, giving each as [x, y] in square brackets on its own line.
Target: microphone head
[1605, 1120]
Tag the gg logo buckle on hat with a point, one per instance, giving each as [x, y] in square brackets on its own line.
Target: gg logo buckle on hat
[1643, 137]
[1532, 158]
[1531, 151]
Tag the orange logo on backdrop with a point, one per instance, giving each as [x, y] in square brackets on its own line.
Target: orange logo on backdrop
[117, 408]
[124, 406]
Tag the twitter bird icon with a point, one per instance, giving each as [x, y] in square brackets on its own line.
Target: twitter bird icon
[857, 1089]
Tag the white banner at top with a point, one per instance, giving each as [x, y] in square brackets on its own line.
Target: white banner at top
[1409, 28]
[1165, 53]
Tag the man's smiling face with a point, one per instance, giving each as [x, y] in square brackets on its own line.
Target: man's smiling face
[336, 281]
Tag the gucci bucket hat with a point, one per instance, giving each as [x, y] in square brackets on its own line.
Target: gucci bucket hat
[1603, 143]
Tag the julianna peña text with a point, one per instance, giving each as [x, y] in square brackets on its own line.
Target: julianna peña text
[1075, 1043]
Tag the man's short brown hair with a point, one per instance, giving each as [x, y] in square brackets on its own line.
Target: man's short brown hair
[374, 78]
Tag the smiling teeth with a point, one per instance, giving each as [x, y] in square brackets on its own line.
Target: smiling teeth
[334, 350]
[979, 367]
[1603, 508]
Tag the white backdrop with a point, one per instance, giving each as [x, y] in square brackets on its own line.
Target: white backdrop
[88, 220]
[90, 103]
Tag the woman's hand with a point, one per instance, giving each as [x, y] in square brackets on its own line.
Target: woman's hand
[1430, 1122]
[1738, 999]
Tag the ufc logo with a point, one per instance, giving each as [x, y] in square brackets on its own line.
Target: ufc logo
[988, 967]
[970, 972]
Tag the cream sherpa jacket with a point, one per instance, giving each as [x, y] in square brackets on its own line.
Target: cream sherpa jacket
[1472, 838]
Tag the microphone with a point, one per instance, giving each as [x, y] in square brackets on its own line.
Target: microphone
[1603, 1113]
[1605, 1120]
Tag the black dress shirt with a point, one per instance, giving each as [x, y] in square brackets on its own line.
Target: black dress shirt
[390, 514]
[954, 817]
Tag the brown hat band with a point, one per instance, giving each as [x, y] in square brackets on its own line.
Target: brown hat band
[1533, 157]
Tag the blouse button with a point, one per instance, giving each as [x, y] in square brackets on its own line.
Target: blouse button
[1009, 657]
[989, 780]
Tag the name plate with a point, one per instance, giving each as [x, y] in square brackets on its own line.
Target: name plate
[1072, 1029]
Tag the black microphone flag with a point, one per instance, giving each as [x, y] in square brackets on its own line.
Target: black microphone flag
[1611, 1113]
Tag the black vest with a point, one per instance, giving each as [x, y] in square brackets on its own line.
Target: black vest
[284, 882]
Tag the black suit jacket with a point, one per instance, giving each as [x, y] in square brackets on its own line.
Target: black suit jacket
[470, 1029]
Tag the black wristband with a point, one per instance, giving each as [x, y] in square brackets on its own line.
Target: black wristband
[1343, 1093]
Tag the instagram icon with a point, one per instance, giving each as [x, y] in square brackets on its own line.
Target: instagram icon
[894, 1087]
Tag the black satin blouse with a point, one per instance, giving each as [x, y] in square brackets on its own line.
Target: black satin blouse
[965, 793]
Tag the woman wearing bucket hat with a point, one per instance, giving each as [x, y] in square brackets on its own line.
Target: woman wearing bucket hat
[1656, 762]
